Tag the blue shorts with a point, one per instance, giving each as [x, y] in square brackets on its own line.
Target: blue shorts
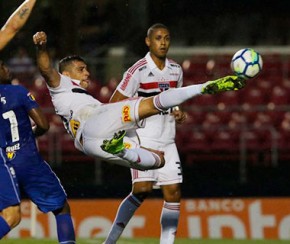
[9, 191]
[38, 181]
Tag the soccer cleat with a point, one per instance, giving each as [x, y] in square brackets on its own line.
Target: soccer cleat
[228, 83]
[115, 145]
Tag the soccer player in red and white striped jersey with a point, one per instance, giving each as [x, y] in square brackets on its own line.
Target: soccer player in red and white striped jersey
[148, 77]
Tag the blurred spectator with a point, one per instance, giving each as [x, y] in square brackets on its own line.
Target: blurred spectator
[22, 66]
[107, 91]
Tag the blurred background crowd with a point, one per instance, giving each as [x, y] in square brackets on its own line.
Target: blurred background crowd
[233, 144]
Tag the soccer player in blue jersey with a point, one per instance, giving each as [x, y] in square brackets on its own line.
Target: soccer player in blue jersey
[9, 197]
[28, 170]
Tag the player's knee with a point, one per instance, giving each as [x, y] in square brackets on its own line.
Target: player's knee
[141, 190]
[142, 194]
[63, 210]
[12, 216]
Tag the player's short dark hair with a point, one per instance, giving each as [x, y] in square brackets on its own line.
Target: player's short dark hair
[156, 26]
[65, 62]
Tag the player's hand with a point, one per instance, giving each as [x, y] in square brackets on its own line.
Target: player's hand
[40, 38]
[179, 116]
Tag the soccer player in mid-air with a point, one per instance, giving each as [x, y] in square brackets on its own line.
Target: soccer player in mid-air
[93, 124]
[149, 76]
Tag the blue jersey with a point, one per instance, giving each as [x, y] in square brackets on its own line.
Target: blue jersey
[32, 173]
[2, 128]
[16, 129]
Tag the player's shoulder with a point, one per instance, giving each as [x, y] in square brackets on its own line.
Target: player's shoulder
[140, 65]
[173, 63]
[15, 89]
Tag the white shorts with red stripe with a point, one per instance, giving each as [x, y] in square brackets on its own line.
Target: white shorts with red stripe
[171, 173]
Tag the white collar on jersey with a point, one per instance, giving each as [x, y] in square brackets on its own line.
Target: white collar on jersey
[151, 63]
[78, 82]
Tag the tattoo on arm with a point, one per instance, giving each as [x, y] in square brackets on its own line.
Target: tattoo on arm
[23, 13]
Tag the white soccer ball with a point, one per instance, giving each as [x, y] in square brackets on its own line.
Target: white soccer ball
[247, 63]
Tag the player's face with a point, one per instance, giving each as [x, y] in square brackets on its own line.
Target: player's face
[5, 76]
[78, 70]
[159, 42]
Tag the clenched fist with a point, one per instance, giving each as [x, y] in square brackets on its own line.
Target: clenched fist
[40, 38]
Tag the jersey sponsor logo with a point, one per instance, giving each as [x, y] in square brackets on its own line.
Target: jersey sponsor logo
[11, 155]
[31, 97]
[11, 151]
[126, 81]
[174, 74]
[126, 114]
[74, 125]
[127, 145]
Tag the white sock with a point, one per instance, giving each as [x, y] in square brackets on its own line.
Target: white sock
[169, 221]
[125, 212]
[140, 158]
[174, 97]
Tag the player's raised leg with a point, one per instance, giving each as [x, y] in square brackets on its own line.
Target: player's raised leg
[161, 102]
[174, 97]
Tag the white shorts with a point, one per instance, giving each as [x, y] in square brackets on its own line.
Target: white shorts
[171, 173]
[107, 120]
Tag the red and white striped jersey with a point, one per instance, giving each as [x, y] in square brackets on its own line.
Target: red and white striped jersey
[145, 79]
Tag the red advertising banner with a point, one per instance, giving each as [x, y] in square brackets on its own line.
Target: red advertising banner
[234, 218]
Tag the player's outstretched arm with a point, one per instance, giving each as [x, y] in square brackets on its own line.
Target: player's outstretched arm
[15, 22]
[44, 63]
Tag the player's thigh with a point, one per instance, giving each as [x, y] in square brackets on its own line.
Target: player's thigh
[110, 118]
[41, 184]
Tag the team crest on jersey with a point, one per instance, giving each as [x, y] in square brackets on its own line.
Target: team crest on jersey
[11, 151]
[126, 114]
[163, 86]
[31, 97]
